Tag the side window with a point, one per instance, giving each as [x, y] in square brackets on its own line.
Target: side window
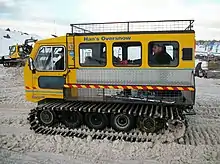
[12, 50]
[50, 58]
[127, 54]
[92, 54]
[20, 49]
[163, 54]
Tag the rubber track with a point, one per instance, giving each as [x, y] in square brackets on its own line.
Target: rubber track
[169, 113]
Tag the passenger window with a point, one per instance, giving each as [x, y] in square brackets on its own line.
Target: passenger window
[50, 58]
[127, 54]
[92, 54]
[163, 54]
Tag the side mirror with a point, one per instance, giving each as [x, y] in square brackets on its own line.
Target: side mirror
[9, 47]
[31, 63]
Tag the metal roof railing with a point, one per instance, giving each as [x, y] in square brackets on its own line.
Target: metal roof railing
[133, 26]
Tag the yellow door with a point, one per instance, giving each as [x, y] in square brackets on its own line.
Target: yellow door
[50, 70]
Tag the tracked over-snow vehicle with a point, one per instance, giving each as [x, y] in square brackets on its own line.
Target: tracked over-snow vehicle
[120, 80]
[18, 54]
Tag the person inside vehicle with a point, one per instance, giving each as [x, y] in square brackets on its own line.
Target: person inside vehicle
[160, 56]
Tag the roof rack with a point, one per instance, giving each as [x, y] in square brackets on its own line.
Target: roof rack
[133, 26]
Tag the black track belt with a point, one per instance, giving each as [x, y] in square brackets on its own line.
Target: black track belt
[143, 110]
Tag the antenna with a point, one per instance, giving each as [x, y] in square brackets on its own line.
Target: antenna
[55, 27]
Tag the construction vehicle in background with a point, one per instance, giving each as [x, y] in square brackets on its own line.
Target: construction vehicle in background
[118, 80]
[18, 54]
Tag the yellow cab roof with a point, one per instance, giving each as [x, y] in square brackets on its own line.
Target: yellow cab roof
[59, 39]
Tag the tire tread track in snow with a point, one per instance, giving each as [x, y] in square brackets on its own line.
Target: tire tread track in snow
[201, 137]
[213, 111]
[216, 133]
[198, 135]
[190, 137]
[213, 137]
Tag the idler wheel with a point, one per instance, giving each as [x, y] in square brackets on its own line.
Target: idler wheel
[147, 125]
[96, 121]
[72, 119]
[47, 117]
[122, 122]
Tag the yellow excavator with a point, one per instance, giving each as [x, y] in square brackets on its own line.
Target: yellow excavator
[18, 54]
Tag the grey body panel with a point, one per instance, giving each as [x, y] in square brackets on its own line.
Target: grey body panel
[108, 95]
[137, 76]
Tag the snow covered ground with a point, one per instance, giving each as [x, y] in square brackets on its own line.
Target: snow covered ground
[20, 145]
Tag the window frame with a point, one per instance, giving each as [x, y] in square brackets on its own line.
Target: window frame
[171, 42]
[11, 52]
[65, 58]
[141, 53]
[106, 56]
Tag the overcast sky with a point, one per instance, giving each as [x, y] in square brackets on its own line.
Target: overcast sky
[44, 17]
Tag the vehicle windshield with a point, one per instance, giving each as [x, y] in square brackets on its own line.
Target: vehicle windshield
[12, 50]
